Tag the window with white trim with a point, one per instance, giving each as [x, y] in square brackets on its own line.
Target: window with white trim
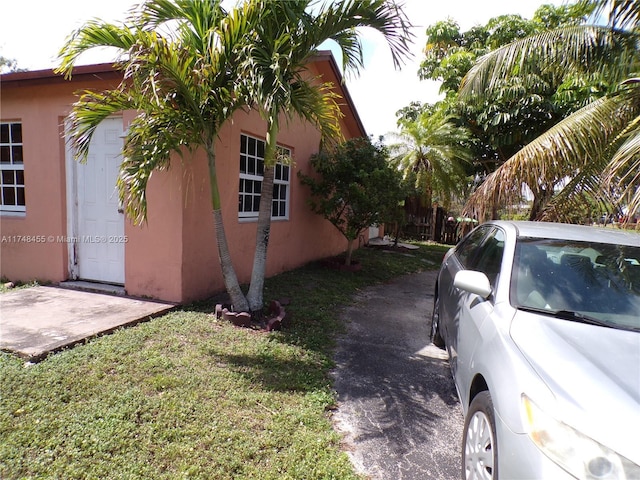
[11, 168]
[251, 175]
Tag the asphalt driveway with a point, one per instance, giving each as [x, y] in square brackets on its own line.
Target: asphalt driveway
[397, 402]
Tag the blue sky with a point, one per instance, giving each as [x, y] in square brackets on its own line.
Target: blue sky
[32, 32]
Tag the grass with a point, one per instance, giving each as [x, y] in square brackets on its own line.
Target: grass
[7, 286]
[185, 396]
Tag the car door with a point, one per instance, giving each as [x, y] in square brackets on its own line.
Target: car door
[449, 296]
[471, 310]
[475, 310]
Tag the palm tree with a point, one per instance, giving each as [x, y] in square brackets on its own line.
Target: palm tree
[285, 36]
[592, 155]
[431, 150]
[181, 80]
[189, 65]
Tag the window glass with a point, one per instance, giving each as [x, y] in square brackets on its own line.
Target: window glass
[16, 133]
[489, 257]
[598, 281]
[251, 175]
[12, 195]
[4, 133]
[468, 248]
[16, 153]
[8, 177]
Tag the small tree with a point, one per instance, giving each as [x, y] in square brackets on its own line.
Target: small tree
[355, 187]
[9, 65]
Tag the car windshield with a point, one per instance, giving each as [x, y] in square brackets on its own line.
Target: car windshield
[583, 281]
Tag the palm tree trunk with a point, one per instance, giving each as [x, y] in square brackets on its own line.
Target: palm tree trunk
[238, 300]
[254, 296]
[256, 288]
[541, 198]
[229, 276]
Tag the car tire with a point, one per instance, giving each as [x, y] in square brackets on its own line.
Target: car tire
[479, 442]
[436, 338]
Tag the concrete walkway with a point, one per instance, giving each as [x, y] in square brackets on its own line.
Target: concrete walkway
[37, 321]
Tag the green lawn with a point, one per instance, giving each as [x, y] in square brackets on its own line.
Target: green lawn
[185, 396]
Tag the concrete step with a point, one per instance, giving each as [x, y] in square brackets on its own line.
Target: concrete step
[94, 287]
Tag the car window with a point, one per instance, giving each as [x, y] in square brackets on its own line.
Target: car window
[489, 257]
[600, 281]
[467, 251]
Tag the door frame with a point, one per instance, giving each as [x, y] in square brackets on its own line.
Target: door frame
[72, 238]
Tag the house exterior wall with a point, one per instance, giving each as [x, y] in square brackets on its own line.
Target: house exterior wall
[173, 256]
[303, 237]
[32, 244]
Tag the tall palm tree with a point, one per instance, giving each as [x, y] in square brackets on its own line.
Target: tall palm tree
[285, 37]
[431, 150]
[592, 155]
[179, 60]
[189, 65]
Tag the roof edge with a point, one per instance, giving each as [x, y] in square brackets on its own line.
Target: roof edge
[327, 55]
[109, 71]
[49, 74]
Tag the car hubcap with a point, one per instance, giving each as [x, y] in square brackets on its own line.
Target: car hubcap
[478, 449]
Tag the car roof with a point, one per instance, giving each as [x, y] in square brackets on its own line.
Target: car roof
[565, 231]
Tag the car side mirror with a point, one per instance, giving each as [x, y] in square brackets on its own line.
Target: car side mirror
[473, 282]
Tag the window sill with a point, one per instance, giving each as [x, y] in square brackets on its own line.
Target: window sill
[4, 214]
[255, 219]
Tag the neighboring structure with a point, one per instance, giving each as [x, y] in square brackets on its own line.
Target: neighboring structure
[61, 220]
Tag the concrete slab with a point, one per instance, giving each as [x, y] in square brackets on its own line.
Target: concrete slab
[40, 320]
[386, 242]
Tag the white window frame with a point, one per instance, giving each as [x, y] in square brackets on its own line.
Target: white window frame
[251, 175]
[14, 167]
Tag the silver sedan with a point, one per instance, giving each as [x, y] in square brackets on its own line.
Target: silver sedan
[542, 325]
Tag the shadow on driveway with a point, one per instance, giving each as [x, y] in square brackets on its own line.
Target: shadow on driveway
[398, 406]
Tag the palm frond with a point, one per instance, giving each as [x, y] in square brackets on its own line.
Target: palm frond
[584, 189]
[150, 141]
[93, 34]
[624, 14]
[430, 150]
[318, 104]
[562, 152]
[585, 49]
[623, 172]
[197, 23]
[348, 41]
[88, 112]
[336, 19]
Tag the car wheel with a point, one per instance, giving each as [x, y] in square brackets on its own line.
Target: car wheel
[436, 338]
[480, 448]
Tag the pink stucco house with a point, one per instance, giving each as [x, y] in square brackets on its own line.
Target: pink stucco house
[61, 220]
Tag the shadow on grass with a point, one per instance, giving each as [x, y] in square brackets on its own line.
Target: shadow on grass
[315, 295]
[278, 375]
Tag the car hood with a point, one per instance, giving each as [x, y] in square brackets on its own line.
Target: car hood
[593, 372]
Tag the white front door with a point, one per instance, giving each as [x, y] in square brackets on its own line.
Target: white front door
[100, 237]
